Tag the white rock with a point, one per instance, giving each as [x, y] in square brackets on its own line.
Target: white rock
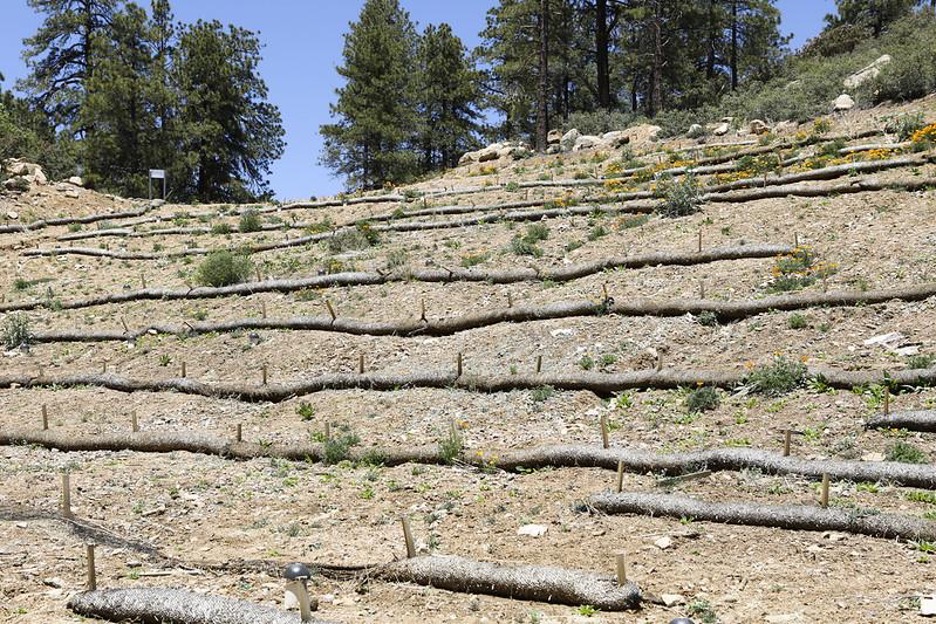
[867, 73]
[533, 530]
[671, 600]
[721, 129]
[664, 542]
[928, 605]
[758, 126]
[75, 181]
[568, 139]
[889, 340]
[553, 137]
[784, 618]
[12, 215]
[586, 142]
[843, 102]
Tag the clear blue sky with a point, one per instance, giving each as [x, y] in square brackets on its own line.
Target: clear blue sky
[303, 41]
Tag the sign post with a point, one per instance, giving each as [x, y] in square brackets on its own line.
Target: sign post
[157, 174]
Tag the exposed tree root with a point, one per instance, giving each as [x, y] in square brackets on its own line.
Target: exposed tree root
[556, 456]
[507, 276]
[914, 420]
[795, 517]
[517, 582]
[599, 383]
[175, 606]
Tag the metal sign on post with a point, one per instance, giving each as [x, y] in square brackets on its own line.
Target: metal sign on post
[157, 174]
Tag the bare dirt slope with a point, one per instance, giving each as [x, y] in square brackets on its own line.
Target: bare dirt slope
[223, 526]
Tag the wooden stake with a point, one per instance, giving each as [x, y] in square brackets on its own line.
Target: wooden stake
[886, 400]
[459, 365]
[123, 322]
[239, 434]
[605, 443]
[422, 310]
[259, 277]
[604, 291]
[327, 430]
[263, 373]
[539, 363]
[824, 496]
[66, 495]
[620, 477]
[104, 367]
[659, 362]
[263, 309]
[45, 418]
[700, 241]
[408, 537]
[331, 310]
[621, 566]
[786, 442]
[143, 280]
[509, 300]
[183, 369]
[360, 364]
[701, 290]
[92, 573]
[134, 425]
[795, 239]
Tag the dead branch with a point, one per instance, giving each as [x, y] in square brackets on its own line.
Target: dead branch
[517, 582]
[795, 517]
[913, 420]
[175, 606]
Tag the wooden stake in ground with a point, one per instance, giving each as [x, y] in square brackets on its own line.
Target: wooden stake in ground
[824, 496]
[621, 566]
[331, 310]
[700, 241]
[605, 443]
[45, 418]
[459, 365]
[886, 400]
[408, 538]
[263, 372]
[134, 425]
[183, 369]
[360, 364]
[422, 311]
[92, 573]
[239, 433]
[539, 363]
[66, 495]
[787, 435]
[620, 477]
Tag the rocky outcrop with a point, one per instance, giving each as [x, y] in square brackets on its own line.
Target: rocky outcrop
[22, 175]
[495, 151]
[843, 103]
[868, 73]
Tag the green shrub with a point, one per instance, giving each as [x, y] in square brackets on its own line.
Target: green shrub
[249, 221]
[703, 399]
[338, 447]
[905, 453]
[681, 197]
[221, 228]
[797, 321]
[16, 331]
[470, 260]
[306, 411]
[905, 125]
[451, 445]
[525, 244]
[599, 122]
[223, 268]
[779, 377]
[921, 361]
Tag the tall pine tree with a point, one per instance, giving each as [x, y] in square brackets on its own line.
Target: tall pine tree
[371, 142]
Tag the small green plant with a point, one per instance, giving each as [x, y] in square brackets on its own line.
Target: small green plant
[587, 362]
[680, 197]
[701, 609]
[165, 359]
[798, 269]
[797, 321]
[542, 393]
[586, 610]
[905, 453]
[221, 228]
[905, 125]
[702, 399]
[597, 232]
[707, 318]
[306, 411]
[338, 446]
[16, 331]
[779, 377]
[223, 268]
[919, 496]
[921, 361]
[451, 445]
[249, 221]
[470, 260]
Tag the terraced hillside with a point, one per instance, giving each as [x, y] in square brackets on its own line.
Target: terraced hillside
[545, 362]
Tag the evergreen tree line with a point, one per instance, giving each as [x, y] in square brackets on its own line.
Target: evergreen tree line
[118, 90]
[410, 104]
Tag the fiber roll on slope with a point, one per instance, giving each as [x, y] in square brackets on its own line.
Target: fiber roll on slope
[521, 582]
[795, 517]
[175, 606]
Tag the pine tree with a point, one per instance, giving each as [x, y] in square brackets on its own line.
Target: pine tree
[448, 99]
[229, 133]
[61, 55]
[371, 142]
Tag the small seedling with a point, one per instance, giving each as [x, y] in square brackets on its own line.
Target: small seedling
[905, 453]
[779, 377]
[702, 399]
[306, 411]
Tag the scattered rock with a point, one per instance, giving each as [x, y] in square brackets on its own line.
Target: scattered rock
[721, 129]
[927, 605]
[758, 126]
[75, 181]
[72, 194]
[664, 542]
[586, 142]
[784, 127]
[873, 457]
[868, 73]
[671, 600]
[784, 618]
[554, 137]
[12, 215]
[616, 138]
[695, 131]
[567, 142]
[533, 530]
[843, 103]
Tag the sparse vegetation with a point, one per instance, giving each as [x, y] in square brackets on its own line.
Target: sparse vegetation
[702, 399]
[249, 221]
[905, 453]
[782, 375]
[16, 331]
[681, 196]
[338, 446]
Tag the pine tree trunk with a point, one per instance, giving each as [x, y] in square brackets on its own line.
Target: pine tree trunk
[542, 95]
[601, 54]
[734, 45]
[656, 77]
